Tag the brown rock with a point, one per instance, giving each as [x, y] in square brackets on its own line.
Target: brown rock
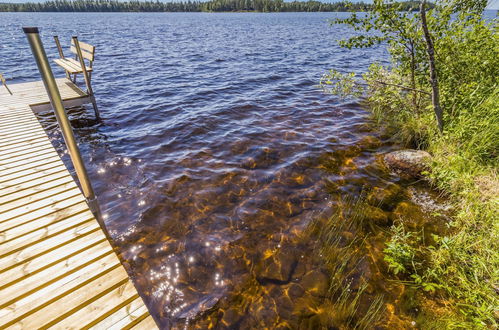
[315, 283]
[231, 317]
[369, 142]
[377, 215]
[385, 198]
[295, 291]
[408, 163]
[278, 268]
[409, 214]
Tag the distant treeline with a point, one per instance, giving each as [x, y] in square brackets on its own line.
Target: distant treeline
[190, 6]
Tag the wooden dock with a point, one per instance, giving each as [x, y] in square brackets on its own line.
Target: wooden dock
[57, 268]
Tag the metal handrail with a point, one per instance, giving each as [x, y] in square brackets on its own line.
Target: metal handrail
[90, 91]
[2, 79]
[42, 62]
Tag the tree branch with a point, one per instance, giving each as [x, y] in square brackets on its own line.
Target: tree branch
[401, 86]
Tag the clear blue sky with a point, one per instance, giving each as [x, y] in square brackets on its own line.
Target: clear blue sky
[494, 4]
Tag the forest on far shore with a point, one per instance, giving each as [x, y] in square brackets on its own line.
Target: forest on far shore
[266, 6]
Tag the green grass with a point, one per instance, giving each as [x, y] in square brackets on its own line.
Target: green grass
[462, 268]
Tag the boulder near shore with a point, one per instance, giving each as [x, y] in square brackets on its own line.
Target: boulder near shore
[408, 163]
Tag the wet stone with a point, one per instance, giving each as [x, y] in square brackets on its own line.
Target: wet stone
[377, 215]
[369, 142]
[347, 236]
[295, 291]
[277, 269]
[284, 307]
[249, 163]
[346, 153]
[261, 158]
[315, 283]
[385, 198]
[312, 322]
[330, 162]
[231, 317]
[409, 214]
[304, 306]
[297, 180]
[408, 163]
[264, 311]
[300, 270]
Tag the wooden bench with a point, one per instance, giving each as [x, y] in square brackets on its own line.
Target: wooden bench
[71, 66]
[82, 52]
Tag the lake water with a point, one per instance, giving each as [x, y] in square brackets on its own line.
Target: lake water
[216, 153]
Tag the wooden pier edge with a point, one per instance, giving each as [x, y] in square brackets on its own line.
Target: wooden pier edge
[57, 268]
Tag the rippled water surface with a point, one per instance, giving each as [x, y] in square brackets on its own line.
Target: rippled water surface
[216, 153]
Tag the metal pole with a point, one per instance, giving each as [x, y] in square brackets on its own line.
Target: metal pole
[61, 53]
[5, 83]
[90, 91]
[67, 132]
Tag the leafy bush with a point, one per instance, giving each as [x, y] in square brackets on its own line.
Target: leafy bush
[465, 264]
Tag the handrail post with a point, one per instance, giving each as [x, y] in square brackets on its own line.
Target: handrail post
[67, 132]
[61, 53]
[90, 91]
[4, 83]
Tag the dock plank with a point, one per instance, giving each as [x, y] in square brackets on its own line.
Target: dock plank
[57, 268]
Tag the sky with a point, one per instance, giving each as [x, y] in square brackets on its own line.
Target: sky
[493, 4]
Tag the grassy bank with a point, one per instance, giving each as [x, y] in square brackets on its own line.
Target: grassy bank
[460, 268]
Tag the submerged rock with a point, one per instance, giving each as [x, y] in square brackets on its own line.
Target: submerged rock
[385, 198]
[376, 215]
[409, 214]
[369, 142]
[315, 283]
[277, 269]
[408, 163]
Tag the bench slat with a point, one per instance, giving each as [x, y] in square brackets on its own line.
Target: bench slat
[70, 66]
[85, 54]
[84, 46]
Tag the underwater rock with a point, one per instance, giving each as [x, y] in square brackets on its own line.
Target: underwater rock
[377, 215]
[285, 307]
[231, 317]
[277, 269]
[369, 142]
[409, 214]
[260, 159]
[295, 291]
[385, 198]
[315, 283]
[408, 163]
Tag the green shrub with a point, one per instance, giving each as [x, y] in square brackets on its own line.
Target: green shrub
[463, 265]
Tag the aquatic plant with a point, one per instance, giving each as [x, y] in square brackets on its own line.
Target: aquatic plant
[340, 245]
